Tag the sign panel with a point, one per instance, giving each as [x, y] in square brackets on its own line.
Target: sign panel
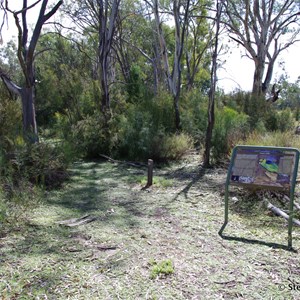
[269, 168]
[263, 167]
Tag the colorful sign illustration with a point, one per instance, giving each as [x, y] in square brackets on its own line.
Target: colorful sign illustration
[259, 167]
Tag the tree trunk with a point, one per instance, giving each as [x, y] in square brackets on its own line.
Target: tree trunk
[209, 132]
[177, 113]
[257, 89]
[107, 19]
[105, 99]
[264, 29]
[26, 56]
[211, 104]
[28, 110]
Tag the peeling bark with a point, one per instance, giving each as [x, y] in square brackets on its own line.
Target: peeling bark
[25, 53]
[213, 78]
[259, 26]
[173, 77]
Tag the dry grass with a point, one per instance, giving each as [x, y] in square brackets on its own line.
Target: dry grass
[279, 139]
[112, 257]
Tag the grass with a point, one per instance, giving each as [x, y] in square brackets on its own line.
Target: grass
[141, 235]
[279, 139]
[158, 181]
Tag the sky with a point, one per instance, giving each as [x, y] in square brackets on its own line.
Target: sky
[236, 73]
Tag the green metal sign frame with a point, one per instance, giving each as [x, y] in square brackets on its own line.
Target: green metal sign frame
[250, 182]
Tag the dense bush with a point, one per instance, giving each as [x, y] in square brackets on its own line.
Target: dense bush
[175, 146]
[279, 120]
[24, 172]
[10, 124]
[230, 127]
[145, 131]
[256, 108]
[91, 136]
[194, 115]
[41, 163]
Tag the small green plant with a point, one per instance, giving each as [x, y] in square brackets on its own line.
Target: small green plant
[157, 181]
[161, 269]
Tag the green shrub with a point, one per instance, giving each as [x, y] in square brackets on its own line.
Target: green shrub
[10, 124]
[135, 135]
[40, 163]
[143, 126]
[230, 127]
[286, 120]
[256, 108]
[92, 136]
[174, 146]
[140, 139]
[143, 129]
[279, 120]
[135, 87]
[194, 115]
[161, 269]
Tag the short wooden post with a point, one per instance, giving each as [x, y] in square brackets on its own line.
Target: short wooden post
[150, 172]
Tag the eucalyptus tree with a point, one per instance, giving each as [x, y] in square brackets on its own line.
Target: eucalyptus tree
[264, 29]
[185, 17]
[179, 10]
[99, 16]
[26, 53]
[200, 37]
[212, 91]
[137, 44]
[65, 78]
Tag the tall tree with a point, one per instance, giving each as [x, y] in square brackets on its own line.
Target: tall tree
[26, 55]
[98, 17]
[264, 29]
[212, 91]
[199, 39]
[180, 12]
[107, 19]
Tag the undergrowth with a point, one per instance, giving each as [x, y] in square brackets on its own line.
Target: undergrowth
[278, 139]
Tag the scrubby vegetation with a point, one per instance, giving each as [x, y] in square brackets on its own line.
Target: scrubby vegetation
[70, 101]
[139, 129]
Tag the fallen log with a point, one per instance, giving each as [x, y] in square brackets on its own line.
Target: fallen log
[281, 213]
[287, 199]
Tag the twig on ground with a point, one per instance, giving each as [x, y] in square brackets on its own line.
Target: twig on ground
[77, 221]
[129, 163]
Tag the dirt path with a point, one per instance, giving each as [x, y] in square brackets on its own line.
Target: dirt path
[176, 221]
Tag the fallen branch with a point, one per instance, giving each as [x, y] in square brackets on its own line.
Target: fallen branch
[281, 213]
[287, 199]
[106, 248]
[77, 221]
[129, 163]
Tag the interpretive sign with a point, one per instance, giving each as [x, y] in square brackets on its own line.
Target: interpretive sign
[267, 168]
[264, 168]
